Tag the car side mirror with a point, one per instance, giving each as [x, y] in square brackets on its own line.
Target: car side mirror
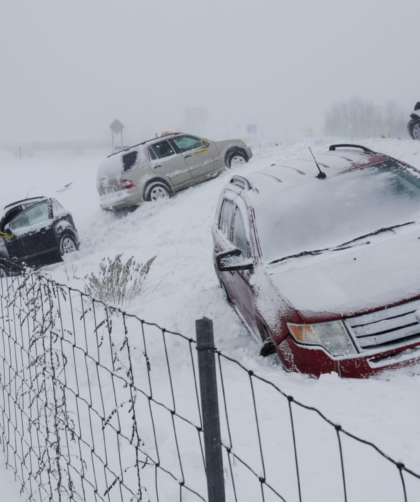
[232, 260]
[205, 142]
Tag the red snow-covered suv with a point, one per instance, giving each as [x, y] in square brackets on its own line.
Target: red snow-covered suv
[321, 260]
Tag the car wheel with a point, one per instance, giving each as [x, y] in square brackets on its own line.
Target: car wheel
[415, 131]
[157, 191]
[236, 159]
[268, 348]
[68, 244]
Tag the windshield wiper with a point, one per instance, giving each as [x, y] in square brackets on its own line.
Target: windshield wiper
[317, 252]
[376, 232]
[298, 255]
[345, 245]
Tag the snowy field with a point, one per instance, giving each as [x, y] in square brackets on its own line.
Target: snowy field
[182, 287]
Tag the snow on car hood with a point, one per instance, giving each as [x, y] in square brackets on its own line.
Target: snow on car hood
[347, 282]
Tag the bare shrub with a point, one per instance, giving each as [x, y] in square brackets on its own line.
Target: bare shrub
[40, 392]
[118, 282]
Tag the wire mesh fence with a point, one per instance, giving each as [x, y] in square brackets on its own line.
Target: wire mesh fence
[298, 453]
[82, 418]
[99, 405]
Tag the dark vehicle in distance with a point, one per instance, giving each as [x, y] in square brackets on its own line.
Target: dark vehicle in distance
[36, 231]
[414, 124]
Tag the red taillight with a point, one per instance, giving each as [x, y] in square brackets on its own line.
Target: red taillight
[126, 184]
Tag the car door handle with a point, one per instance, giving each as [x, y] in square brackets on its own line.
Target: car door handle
[159, 165]
[186, 156]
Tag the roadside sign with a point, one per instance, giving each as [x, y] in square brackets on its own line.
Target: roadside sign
[387, 128]
[116, 126]
[310, 131]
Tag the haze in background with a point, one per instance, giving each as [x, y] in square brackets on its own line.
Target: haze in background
[69, 68]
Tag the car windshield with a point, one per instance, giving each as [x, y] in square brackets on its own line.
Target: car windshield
[329, 213]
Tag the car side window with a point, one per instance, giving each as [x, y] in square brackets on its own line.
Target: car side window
[129, 160]
[187, 143]
[225, 220]
[240, 239]
[152, 154]
[162, 150]
[32, 216]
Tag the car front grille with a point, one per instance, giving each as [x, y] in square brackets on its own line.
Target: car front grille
[387, 327]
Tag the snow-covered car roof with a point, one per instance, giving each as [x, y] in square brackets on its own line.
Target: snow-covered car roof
[25, 202]
[113, 164]
[148, 142]
[291, 173]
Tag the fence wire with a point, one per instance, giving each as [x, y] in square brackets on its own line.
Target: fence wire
[99, 405]
[79, 399]
[270, 483]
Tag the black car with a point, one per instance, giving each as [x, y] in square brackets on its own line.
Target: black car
[36, 231]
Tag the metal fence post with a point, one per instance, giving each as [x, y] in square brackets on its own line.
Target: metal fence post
[210, 410]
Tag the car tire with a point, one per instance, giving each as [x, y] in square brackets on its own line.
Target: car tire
[157, 190]
[267, 348]
[68, 244]
[415, 130]
[236, 159]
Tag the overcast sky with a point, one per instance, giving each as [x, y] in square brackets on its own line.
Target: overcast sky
[70, 67]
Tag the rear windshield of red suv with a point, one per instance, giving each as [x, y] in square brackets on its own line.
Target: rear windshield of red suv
[331, 212]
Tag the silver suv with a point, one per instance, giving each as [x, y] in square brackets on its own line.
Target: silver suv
[160, 167]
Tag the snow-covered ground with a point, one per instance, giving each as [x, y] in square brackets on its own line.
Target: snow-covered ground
[9, 485]
[182, 287]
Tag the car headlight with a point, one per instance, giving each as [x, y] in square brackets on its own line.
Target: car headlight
[333, 336]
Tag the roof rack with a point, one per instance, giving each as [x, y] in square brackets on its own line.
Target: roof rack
[144, 142]
[346, 145]
[25, 200]
[241, 182]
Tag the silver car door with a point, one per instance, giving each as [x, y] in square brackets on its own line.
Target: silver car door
[202, 156]
[168, 163]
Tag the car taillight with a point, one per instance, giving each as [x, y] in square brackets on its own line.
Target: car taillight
[126, 184]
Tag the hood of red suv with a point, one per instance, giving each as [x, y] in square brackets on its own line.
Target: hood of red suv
[360, 279]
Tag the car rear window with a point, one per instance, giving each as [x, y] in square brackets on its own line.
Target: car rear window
[112, 167]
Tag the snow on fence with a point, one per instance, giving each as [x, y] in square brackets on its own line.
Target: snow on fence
[99, 405]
